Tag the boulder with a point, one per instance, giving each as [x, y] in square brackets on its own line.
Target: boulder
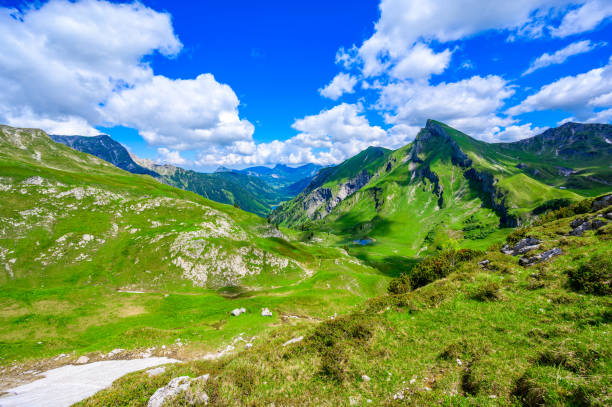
[156, 371]
[174, 387]
[602, 202]
[547, 255]
[577, 222]
[522, 246]
[484, 264]
[238, 311]
[265, 312]
[82, 360]
[598, 223]
[580, 229]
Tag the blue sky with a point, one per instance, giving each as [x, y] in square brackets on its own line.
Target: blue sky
[240, 83]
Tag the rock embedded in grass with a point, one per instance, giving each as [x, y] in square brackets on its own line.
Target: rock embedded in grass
[547, 255]
[522, 246]
[265, 312]
[238, 311]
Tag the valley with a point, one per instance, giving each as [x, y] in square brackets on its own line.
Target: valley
[103, 264]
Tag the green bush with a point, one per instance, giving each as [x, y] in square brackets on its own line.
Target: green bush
[593, 277]
[487, 292]
[431, 269]
[400, 285]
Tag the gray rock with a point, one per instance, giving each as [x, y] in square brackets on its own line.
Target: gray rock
[602, 202]
[174, 387]
[238, 311]
[82, 360]
[484, 264]
[598, 223]
[547, 255]
[265, 312]
[156, 371]
[577, 222]
[522, 246]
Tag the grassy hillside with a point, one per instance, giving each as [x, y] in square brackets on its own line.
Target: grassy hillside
[247, 192]
[95, 258]
[490, 333]
[330, 186]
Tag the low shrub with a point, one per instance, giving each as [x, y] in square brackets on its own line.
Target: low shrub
[592, 277]
[400, 285]
[431, 269]
[487, 292]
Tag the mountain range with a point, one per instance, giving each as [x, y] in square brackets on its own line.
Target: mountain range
[447, 188]
[257, 189]
[449, 269]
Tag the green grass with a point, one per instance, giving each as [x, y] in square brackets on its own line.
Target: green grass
[91, 229]
[505, 335]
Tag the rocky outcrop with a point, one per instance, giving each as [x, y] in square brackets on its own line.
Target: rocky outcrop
[602, 202]
[493, 196]
[179, 385]
[321, 201]
[581, 225]
[438, 190]
[547, 255]
[522, 246]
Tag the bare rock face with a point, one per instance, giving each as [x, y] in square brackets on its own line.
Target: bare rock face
[522, 246]
[547, 255]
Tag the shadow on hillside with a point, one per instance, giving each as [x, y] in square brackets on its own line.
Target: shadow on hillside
[391, 266]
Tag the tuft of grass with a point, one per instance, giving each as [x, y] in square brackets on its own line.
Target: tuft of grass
[594, 276]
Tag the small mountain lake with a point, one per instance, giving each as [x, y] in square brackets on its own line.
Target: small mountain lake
[363, 242]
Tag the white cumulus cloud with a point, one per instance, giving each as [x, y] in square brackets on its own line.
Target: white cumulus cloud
[560, 56]
[341, 84]
[585, 18]
[182, 113]
[67, 66]
[579, 94]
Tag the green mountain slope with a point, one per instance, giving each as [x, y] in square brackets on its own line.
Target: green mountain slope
[443, 189]
[330, 186]
[79, 238]
[486, 332]
[248, 192]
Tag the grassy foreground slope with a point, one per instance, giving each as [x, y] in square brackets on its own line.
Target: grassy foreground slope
[95, 258]
[486, 334]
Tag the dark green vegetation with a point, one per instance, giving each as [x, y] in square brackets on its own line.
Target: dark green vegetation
[478, 334]
[447, 190]
[94, 258]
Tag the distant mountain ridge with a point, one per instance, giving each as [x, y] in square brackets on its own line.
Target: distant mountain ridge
[106, 148]
[255, 190]
[280, 175]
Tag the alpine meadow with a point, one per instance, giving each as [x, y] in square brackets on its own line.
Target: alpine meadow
[180, 227]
